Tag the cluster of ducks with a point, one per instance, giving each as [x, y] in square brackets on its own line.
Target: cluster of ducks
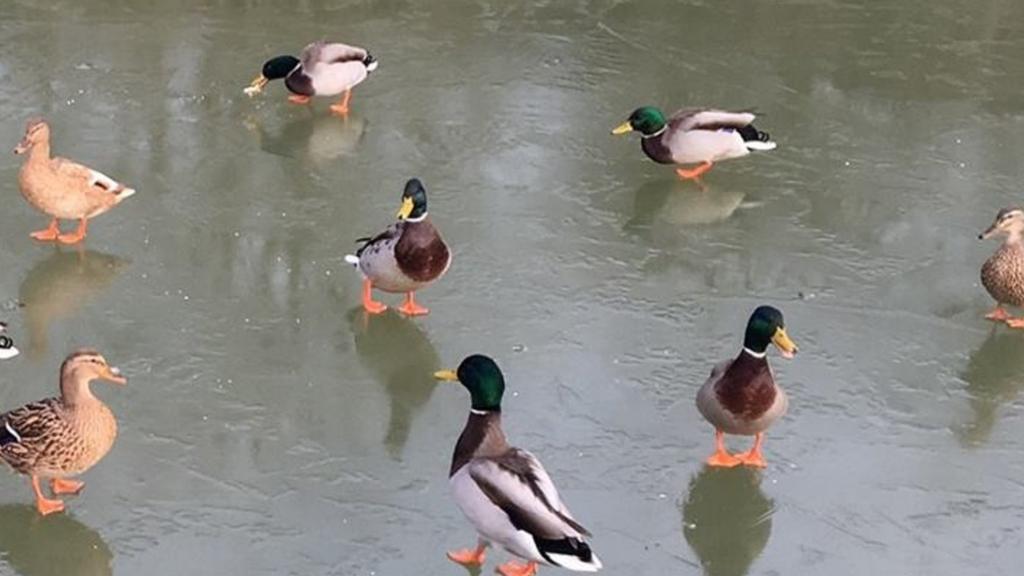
[503, 491]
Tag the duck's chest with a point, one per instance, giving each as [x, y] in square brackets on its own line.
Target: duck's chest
[1003, 274]
[96, 431]
[656, 149]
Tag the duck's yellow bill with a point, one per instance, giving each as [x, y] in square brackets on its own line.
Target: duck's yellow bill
[406, 208]
[783, 343]
[624, 128]
[256, 86]
[446, 375]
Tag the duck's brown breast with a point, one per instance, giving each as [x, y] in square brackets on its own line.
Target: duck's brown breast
[1003, 274]
[421, 253]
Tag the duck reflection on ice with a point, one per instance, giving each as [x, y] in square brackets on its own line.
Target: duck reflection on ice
[676, 203]
[994, 376]
[59, 285]
[400, 356]
[56, 545]
[322, 139]
[727, 519]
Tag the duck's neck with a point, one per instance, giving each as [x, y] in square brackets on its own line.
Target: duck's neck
[75, 391]
[1014, 238]
[39, 152]
[482, 436]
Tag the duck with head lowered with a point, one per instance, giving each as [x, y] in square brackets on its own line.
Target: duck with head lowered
[504, 491]
[404, 258]
[1003, 273]
[322, 69]
[741, 396]
[695, 136]
[61, 188]
[58, 438]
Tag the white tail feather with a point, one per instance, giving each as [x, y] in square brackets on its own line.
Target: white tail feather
[352, 259]
[759, 146]
[575, 564]
[8, 353]
[125, 193]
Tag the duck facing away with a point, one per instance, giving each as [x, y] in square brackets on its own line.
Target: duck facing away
[741, 396]
[695, 136]
[504, 491]
[322, 69]
[58, 438]
[404, 258]
[1003, 273]
[61, 188]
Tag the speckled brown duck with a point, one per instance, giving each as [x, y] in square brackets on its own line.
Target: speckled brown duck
[741, 396]
[62, 189]
[407, 256]
[1003, 273]
[59, 438]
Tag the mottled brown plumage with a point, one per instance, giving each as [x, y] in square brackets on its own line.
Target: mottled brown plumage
[1003, 273]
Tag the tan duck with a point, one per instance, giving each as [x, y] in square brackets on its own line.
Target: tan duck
[695, 136]
[63, 189]
[58, 438]
[404, 258]
[1003, 273]
[322, 69]
[741, 397]
[504, 491]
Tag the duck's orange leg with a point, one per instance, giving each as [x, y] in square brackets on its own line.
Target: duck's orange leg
[341, 108]
[78, 235]
[411, 308]
[62, 486]
[44, 505]
[469, 557]
[298, 99]
[754, 457]
[1015, 322]
[49, 234]
[513, 569]
[721, 458]
[998, 315]
[694, 173]
[372, 306]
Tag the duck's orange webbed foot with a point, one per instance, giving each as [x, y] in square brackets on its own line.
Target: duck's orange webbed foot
[1015, 322]
[998, 315]
[369, 304]
[341, 108]
[77, 236]
[721, 458]
[411, 308]
[695, 172]
[469, 557]
[49, 234]
[514, 569]
[62, 486]
[754, 457]
[298, 99]
[44, 505]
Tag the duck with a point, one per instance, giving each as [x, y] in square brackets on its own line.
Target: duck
[504, 491]
[741, 396]
[7, 348]
[62, 437]
[61, 188]
[700, 136]
[1002, 275]
[405, 257]
[322, 69]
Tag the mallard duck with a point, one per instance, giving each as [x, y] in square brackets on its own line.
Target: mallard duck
[322, 69]
[504, 491]
[404, 258]
[695, 135]
[61, 188]
[7, 348]
[1003, 273]
[58, 438]
[741, 397]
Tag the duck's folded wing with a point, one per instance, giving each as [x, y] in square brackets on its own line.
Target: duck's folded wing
[24, 431]
[391, 233]
[93, 177]
[709, 119]
[518, 484]
[329, 53]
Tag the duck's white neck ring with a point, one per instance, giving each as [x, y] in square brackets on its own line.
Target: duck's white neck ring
[478, 412]
[419, 218]
[754, 354]
[658, 133]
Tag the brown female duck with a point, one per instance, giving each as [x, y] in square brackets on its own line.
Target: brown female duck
[1003, 273]
[58, 438]
[741, 397]
[61, 188]
[404, 258]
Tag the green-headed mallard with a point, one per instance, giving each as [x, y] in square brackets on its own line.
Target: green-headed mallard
[1003, 273]
[695, 135]
[63, 189]
[504, 491]
[322, 69]
[58, 438]
[741, 397]
[404, 258]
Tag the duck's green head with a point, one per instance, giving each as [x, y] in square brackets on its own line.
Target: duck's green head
[766, 326]
[414, 201]
[482, 377]
[273, 69]
[646, 120]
